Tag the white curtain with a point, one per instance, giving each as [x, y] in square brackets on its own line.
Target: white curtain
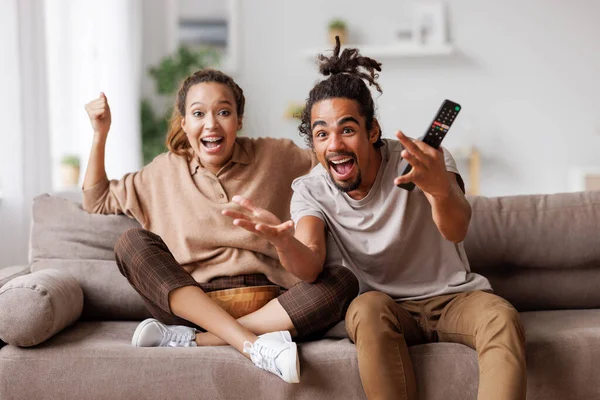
[56, 56]
[24, 153]
[94, 47]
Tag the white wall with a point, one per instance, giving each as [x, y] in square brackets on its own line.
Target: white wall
[158, 40]
[526, 74]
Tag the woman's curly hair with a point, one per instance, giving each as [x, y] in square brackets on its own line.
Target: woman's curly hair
[347, 73]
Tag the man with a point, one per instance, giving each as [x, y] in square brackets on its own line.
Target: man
[404, 246]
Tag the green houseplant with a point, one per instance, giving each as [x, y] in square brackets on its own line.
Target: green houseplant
[337, 27]
[70, 170]
[167, 76]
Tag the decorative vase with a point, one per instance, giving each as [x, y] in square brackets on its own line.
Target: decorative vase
[342, 33]
[70, 175]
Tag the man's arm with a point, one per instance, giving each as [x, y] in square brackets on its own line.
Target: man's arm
[450, 209]
[302, 254]
[451, 213]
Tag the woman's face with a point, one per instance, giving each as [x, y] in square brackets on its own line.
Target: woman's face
[211, 123]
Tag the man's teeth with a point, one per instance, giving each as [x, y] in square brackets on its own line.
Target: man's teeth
[341, 161]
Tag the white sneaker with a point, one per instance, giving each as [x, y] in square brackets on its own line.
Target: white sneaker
[153, 333]
[275, 352]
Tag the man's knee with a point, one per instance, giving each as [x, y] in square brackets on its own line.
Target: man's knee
[368, 309]
[504, 317]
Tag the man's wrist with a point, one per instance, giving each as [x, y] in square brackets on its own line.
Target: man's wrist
[282, 244]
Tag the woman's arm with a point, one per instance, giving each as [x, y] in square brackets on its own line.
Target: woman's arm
[100, 118]
[99, 195]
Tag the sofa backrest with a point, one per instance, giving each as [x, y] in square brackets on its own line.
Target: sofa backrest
[64, 236]
[538, 251]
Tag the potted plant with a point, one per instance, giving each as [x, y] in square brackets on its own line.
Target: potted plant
[70, 170]
[294, 110]
[167, 76]
[338, 27]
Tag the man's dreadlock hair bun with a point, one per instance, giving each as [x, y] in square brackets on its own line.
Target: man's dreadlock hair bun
[347, 74]
[350, 62]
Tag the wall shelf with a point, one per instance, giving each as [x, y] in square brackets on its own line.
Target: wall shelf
[398, 50]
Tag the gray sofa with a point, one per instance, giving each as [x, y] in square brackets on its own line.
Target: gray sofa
[541, 252]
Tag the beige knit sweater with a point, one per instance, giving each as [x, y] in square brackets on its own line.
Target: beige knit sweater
[182, 203]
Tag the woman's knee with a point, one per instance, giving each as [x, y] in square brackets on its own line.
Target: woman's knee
[131, 239]
[344, 281]
[130, 244]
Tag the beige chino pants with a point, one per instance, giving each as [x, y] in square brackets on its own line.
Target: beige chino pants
[383, 329]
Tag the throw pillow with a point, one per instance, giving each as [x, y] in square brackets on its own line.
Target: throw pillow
[35, 307]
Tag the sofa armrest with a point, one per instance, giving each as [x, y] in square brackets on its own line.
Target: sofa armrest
[34, 307]
[9, 273]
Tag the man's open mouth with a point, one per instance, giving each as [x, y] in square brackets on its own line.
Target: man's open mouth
[342, 168]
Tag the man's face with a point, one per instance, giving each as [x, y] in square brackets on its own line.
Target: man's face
[342, 144]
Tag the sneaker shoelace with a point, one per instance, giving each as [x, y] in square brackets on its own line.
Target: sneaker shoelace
[183, 339]
[262, 356]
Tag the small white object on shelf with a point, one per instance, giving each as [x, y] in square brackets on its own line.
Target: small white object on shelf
[430, 23]
[583, 178]
[396, 50]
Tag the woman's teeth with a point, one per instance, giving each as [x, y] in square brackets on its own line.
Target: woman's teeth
[211, 142]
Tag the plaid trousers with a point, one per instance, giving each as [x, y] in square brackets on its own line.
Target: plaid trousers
[149, 266]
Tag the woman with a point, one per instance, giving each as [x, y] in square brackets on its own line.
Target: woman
[187, 247]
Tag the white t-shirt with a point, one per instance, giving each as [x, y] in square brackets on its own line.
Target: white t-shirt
[388, 239]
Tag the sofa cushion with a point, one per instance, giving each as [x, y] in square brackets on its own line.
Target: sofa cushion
[107, 293]
[65, 237]
[93, 353]
[36, 306]
[9, 273]
[555, 231]
[530, 289]
[61, 229]
[563, 354]
[563, 357]
[540, 252]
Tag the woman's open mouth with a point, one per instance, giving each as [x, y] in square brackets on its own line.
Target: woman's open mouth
[212, 144]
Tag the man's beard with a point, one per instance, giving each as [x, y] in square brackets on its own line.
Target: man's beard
[347, 186]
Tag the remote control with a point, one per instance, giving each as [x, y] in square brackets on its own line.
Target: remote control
[435, 134]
